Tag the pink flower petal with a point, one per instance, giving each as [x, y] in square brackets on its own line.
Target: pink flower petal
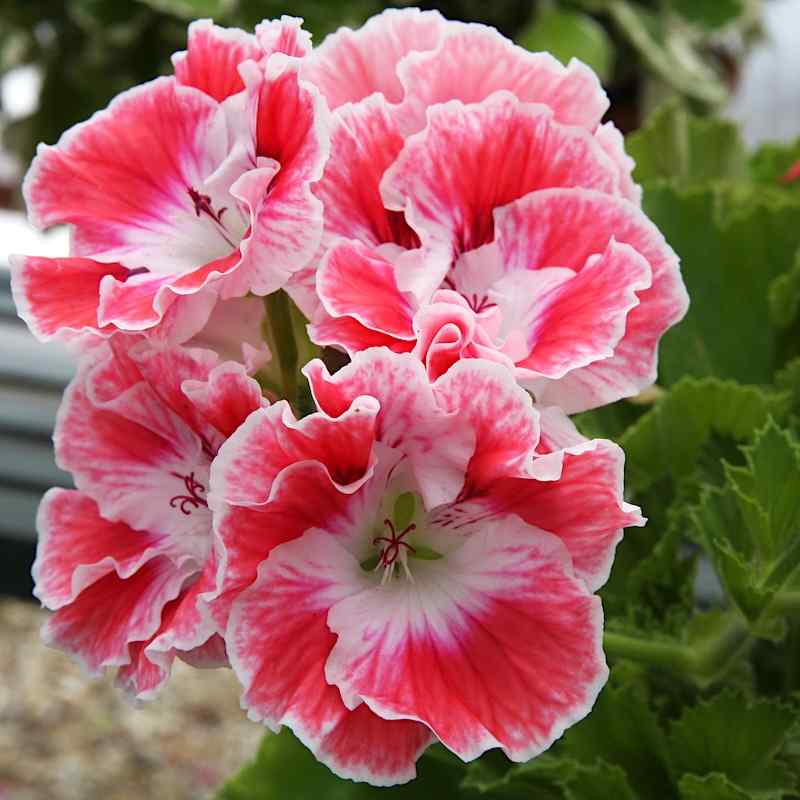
[436, 442]
[123, 459]
[611, 140]
[365, 141]
[284, 35]
[226, 399]
[350, 65]
[113, 613]
[247, 467]
[38, 288]
[355, 281]
[485, 398]
[249, 533]
[77, 547]
[565, 227]
[469, 160]
[279, 642]
[582, 320]
[581, 503]
[495, 645]
[212, 56]
[474, 61]
[351, 336]
[291, 132]
[234, 331]
[128, 171]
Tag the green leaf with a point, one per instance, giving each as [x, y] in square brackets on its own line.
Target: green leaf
[543, 777]
[675, 144]
[784, 296]
[709, 14]
[652, 582]
[191, 9]
[728, 260]
[737, 737]
[751, 526]
[600, 781]
[284, 768]
[624, 731]
[668, 439]
[711, 787]
[772, 161]
[569, 34]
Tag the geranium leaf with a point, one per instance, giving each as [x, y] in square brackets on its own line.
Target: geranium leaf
[737, 737]
[675, 144]
[624, 731]
[667, 440]
[733, 240]
[600, 781]
[750, 526]
[784, 296]
[710, 787]
[543, 777]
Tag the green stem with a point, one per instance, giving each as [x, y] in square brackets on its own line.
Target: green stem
[282, 342]
[703, 661]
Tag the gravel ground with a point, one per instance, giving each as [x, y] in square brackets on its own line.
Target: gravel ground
[64, 737]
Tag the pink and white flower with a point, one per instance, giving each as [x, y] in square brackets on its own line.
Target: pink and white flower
[415, 562]
[126, 560]
[184, 190]
[446, 161]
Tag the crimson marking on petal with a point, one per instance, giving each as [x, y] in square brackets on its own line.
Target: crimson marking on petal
[192, 499]
[473, 301]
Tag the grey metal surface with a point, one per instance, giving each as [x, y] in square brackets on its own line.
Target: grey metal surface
[32, 379]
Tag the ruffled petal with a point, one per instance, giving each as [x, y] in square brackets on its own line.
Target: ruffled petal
[365, 140]
[473, 61]
[77, 547]
[578, 497]
[437, 444]
[50, 312]
[107, 617]
[565, 228]
[226, 399]
[212, 57]
[495, 645]
[350, 65]
[271, 439]
[279, 642]
[485, 398]
[284, 35]
[582, 320]
[292, 136]
[449, 178]
[354, 281]
[123, 179]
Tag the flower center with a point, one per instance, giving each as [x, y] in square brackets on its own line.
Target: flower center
[476, 303]
[204, 207]
[394, 548]
[192, 499]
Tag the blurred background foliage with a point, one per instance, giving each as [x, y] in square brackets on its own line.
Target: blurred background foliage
[86, 51]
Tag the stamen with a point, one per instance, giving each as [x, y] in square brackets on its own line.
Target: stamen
[392, 551]
[202, 205]
[192, 499]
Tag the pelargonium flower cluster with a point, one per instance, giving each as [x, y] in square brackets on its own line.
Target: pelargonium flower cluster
[417, 558]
